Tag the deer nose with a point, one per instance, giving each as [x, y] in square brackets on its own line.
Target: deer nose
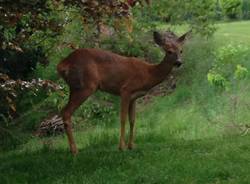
[178, 63]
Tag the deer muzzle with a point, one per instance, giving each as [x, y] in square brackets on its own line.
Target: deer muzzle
[178, 63]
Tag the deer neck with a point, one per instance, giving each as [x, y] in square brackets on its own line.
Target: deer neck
[161, 71]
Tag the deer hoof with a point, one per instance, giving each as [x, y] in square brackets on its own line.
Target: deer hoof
[131, 146]
[74, 151]
[122, 147]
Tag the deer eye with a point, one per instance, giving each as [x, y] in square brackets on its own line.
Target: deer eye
[181, 51]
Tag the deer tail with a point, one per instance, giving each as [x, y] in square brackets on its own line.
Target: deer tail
[63, 70]
[72, 76]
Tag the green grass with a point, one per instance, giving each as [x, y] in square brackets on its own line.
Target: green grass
[169, 161]
[178, 138]
[234, 32]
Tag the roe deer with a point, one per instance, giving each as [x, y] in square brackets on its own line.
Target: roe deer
[87, 70]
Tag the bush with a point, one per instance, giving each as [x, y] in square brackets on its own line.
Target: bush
[20, 65]
[11, 89]
[136, 45]
[246, 9]
[229, 66]
[218, 10]
[232, 8]
[198, 14]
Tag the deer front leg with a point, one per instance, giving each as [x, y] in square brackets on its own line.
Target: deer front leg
[131, 114]
[68, 128]
[123, 115]
[76, 98]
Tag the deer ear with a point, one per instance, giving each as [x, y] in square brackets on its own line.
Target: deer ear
[182, 38]
[158, 38]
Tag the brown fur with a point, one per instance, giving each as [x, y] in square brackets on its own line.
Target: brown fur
[88, 70]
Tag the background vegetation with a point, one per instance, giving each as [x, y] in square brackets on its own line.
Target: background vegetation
[196, 134]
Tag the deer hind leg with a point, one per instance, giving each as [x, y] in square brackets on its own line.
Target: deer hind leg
[123, 115]
[131, 114]
[76, 98]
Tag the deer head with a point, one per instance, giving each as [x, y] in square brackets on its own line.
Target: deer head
[172, 45]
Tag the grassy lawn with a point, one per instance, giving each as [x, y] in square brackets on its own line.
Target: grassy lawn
[234, 32]
[170, 161]
[176, 141]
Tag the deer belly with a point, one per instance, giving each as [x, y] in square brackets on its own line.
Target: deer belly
[138, 94]
[109, 88]
[111, 84]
